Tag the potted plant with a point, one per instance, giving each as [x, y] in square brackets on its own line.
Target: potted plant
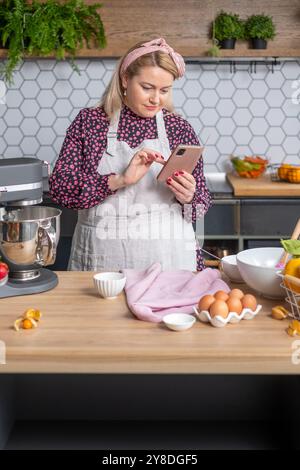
[259, 28]
[49, 27]
[228, 28]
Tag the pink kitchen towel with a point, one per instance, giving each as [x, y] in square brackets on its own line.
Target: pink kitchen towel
[153, 293]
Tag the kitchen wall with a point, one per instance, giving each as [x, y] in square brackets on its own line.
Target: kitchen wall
[240, 113]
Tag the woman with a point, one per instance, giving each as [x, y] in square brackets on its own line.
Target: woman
[108, 165]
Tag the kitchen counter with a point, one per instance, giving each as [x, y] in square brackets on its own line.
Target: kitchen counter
[82, 333]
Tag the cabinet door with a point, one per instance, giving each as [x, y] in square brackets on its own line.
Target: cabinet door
[222, 218]
[272, 217]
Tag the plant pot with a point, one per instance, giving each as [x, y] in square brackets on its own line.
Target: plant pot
[258, 43]
[227, 43]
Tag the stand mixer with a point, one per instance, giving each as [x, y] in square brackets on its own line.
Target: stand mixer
[29, 234]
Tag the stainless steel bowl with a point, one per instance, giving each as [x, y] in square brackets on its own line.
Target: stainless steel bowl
[29, 238]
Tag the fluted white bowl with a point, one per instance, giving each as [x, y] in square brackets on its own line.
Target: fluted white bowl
[230, 268]
[109, 284]
[3, 281]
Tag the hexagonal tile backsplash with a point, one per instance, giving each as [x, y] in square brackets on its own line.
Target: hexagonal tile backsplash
[236, 113]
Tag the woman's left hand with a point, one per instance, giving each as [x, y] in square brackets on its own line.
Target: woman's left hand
[183, 185]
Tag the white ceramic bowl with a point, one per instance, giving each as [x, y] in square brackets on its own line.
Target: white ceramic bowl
[230, 268]
[179, 321]
[3, 281]
[109, 284]
[257, 268]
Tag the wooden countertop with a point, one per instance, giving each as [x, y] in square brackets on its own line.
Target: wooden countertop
[81, 332]
[262, 186]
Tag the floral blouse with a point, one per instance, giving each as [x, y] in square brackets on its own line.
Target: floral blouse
[75, 183]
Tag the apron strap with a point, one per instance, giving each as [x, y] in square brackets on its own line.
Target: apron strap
[161, 132]
[112, 135]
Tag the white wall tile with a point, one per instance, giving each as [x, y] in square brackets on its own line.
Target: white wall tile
[209, 98]
[242, 117]
[29, 126]
[258, 145]
[225, 89]
[291, 145]
[192, 89]
[258, 126]
[258, 89]
[275, 98]
[225, 126]
[275, 136]
[192, 107]
[290, 71]
[242, 98]
[30, 146]
[13, 117]
[275, 117]
[242, 136]
[30, 108]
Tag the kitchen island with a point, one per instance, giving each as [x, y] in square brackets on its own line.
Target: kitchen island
[89, 358]
[82, 333]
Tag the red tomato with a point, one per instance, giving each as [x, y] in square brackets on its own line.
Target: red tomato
[3, 270]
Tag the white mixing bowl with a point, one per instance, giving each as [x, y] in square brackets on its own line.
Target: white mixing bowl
[257, 268]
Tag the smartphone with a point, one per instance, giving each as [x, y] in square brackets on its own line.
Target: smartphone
[183, 157]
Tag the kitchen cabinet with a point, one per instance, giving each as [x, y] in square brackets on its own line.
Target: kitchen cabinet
[235, 224]
[90, 359]
[82, 333]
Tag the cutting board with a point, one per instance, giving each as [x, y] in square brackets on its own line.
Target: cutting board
[262, 186]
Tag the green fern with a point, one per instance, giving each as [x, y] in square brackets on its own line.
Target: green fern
[13, 15]
[48, 28]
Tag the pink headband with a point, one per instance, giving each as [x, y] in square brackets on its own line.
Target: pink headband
[151, 46]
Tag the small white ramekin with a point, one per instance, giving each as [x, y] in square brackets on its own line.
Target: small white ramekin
[109, 284]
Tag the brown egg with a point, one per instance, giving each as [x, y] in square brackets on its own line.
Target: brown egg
[249, 301]
[205, 302]
[221, 295]
[234, 305]
[236, 293]
[219, 307]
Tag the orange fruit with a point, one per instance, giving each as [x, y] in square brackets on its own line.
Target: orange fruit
[27, 324]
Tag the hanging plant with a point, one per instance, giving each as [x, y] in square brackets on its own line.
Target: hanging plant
[13, 16]
[214, 51]
[48, 28]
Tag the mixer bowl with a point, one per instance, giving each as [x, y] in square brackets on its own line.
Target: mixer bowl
[29, 237]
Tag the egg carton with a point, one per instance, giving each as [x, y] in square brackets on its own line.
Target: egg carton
[232, 317]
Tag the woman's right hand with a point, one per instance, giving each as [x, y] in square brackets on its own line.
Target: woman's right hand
[140, 164]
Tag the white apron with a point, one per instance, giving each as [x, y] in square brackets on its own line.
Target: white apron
[138, 225]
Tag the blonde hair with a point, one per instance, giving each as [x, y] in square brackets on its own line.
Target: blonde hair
[112, 98]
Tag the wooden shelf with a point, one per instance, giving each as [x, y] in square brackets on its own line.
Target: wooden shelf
[187, 26]
[201, 53]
